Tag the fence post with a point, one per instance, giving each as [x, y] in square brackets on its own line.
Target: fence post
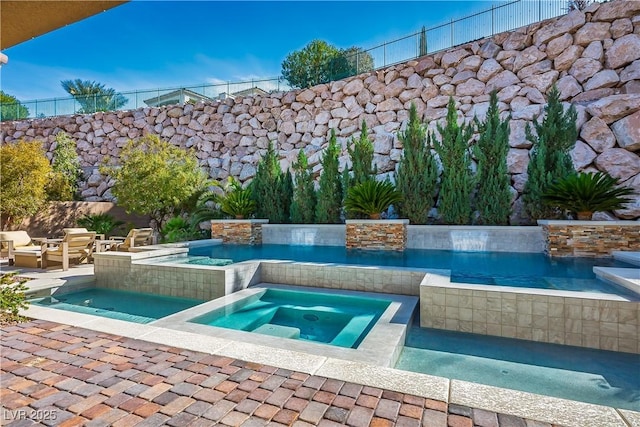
[384, 54]
[493, 32]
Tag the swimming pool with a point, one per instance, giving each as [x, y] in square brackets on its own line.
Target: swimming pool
[576, 373]
[340, 320]
[115, 304]
[528, 270]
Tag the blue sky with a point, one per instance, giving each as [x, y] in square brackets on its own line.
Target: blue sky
[156, 44]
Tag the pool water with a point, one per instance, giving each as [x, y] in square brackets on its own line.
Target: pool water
[530, 270]
[576, 373]
[115, 304]
[340, 320]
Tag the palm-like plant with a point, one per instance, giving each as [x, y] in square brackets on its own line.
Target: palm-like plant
[371, 198]
[237, 202]
[93, 96]
[101, 223]
[586, 193]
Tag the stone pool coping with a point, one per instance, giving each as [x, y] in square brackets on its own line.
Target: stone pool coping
[522, 404]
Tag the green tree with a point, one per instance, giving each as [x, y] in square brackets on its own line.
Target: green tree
[550, 159]
[303, 206]
[330, 192]
[272, 189]
[66, 169]
[350, 62]
[493, 199]
[417, 173]
[457, 181]
[422, 45]
[309, 66]
[362, 168]
[11, 108]
[24, 172]
[93, 96]
[155, 178]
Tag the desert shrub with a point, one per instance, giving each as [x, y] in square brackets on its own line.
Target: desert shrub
[24, 173]
[66, 170]
[12, 298]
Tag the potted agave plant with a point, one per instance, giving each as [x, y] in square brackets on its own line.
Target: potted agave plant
[585, 193]
[371, 198]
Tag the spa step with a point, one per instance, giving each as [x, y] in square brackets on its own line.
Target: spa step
[627, 277]
[627, 256]
[278, 331]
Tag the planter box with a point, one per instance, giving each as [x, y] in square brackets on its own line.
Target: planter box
[377, 234]
[239, 231]
[590, 238]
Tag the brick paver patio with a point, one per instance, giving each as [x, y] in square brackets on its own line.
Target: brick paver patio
[54, 374]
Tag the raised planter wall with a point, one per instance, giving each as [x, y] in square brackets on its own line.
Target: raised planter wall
[590, 238]
[239, 231]
[377, 234]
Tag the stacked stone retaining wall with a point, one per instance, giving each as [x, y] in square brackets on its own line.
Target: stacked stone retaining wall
[592, 56]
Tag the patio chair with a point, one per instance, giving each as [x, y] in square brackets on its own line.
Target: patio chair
[73, 246]
[81, 230]
[11, 241]
[136, 237]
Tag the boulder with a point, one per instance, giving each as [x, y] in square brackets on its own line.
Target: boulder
[453, 58]
[592, 31]
[631, 72]
[306, 96]
[488, 69]
[508, 93]
[568, 87]
[621, 27]
[584, 68]
[619, 163]
[594, 51]
[582, 155]
[517, 134]
[613, 10]
[627, 132]
[593, 95]
[624, 51]
[558, 45]
[392, 104]
[501, 80]
[567, 24]
[565, 60]
[462, 76]
[542, 82]
[471, 87]
[383, 143]
[602, 79]
[248, 171]
[537, 68]
[489, 49]
[529, 56]
[517, 160]
[414, 81]
[519, 181]
[632, 209]
[353, 87]
[614, 107]
[394, 88]
[515, 41]
[597, 134]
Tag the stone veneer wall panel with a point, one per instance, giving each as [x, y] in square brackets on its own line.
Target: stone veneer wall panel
[377, 234]
[239, 231]
[590, 238]
[601, 78]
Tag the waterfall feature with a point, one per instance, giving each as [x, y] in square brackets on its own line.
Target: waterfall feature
[469, 240]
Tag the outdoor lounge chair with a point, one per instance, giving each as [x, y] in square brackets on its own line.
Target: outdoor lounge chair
[136, 237]
[11, 241]
[81, 230]
[74, 246]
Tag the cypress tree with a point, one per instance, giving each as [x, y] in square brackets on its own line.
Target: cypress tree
[493, 199]
[303, 206]
[269, 189]
[550, 160]
[457, 180]
[417, 173]
[362, 168]
[330, 192]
